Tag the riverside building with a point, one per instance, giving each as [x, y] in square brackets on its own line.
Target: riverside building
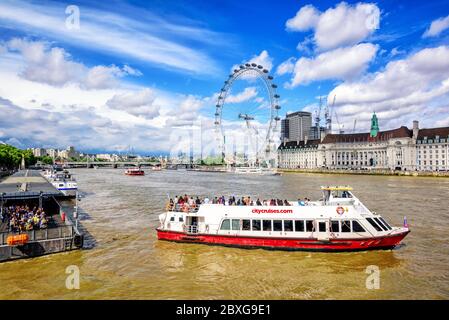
[398, 149]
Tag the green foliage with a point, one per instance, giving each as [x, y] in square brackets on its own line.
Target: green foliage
[211, 161]
[45, 160]
[11, 157]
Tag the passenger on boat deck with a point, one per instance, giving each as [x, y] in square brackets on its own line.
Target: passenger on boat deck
[22, 218]
[186, 202]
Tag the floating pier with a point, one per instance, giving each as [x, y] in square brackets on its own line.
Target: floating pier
[29, 187]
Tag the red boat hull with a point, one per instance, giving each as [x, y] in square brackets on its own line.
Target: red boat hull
[135, 173]
[306, 244]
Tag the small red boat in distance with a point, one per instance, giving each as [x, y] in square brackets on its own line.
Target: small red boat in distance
[134, 172]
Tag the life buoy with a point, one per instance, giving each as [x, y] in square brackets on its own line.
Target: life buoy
[340, 210]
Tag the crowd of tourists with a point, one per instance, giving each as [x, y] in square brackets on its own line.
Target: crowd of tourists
[22, 218]
[189, 202]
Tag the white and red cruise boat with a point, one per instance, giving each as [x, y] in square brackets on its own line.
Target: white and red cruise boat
[337, 222]
[134, 172]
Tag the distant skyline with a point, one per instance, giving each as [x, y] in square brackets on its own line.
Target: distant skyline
[143, 73]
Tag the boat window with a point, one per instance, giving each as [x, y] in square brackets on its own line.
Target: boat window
[371, 222]
[346, 226]
[309, 225]
[277, 225]
[381, 224]
[225, 225]
[172, 219]
[322, 226]
[266, 225]
[299, 225]
[385, 223]
[256, 225]
[288, 225]
[335, 226]
[246, 225]
[235, 224]
[356, 227]
[181, 219]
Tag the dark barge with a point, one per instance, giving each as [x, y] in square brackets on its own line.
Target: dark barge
[29, 187]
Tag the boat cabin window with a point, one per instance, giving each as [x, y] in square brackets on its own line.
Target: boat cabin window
[172, 219]
[356, 227]
[309, 225]
[375, 226]
[266, 225]
[225, 225]
[181, 219]
[246, 225]
[322, 226]
[299, 225]
[385, 223]
[381, 224]
[256, 225]
[277, 225]
[288, 225]
[335, 226]
[341, 194]
[346, 226]
[235, 224]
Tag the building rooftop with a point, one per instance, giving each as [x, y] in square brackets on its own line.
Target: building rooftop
[402, 132]
[432, 133]
[301, 144]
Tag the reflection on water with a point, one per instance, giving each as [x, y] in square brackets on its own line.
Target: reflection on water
[127, 261]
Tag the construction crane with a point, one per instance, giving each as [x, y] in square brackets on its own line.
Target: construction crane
[355, 123]
[340, 127]
[318, 115]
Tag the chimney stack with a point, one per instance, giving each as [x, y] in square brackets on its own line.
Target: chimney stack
[415, 129]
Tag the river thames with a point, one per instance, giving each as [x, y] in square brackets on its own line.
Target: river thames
[124, 259]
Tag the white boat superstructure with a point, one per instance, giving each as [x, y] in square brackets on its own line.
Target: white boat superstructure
[337, 222]
[63, 180]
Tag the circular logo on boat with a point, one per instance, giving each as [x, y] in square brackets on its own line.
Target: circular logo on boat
[340, 210]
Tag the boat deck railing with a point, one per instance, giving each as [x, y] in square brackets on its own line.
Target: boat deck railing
[192, 229]
[61, 232]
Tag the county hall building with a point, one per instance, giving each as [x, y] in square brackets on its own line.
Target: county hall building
[398, 149]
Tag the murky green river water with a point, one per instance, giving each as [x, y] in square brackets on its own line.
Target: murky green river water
[126, 261]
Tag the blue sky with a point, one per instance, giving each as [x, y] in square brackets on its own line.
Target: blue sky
[137, 70]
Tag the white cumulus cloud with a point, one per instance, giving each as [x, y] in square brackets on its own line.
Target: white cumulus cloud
[436, 27]
[342, 63]
[54, 66]
[416, 87]
[139, 103]
[342, 25]
[247, 94]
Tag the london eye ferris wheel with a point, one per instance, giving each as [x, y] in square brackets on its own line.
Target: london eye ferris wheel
[259, 121]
